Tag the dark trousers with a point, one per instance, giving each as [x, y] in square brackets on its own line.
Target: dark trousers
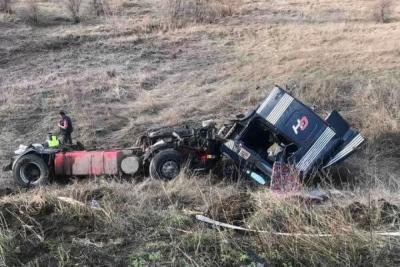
[66, 139]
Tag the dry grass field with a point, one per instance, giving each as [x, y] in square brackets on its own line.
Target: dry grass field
[129, 65]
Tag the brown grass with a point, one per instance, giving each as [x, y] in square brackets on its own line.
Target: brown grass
[119, 75]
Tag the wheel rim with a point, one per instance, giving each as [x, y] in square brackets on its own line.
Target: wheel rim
[170, 169]
[30, 173]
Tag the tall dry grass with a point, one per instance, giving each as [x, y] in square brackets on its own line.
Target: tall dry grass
[152, 222]
[179, 12]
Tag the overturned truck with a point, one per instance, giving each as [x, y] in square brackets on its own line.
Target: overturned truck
[280, 130]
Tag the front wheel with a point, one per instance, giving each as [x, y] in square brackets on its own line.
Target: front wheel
[30, 170]
[166, 164]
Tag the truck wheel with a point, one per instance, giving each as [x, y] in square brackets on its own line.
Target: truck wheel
[166, 164]
[30, 170]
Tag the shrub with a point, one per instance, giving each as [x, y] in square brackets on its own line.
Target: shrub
[5, 6]
[74, 7]
[113, 8]
[382, 10]
[32, 11]
[181, 12]
[99, 7]
[108, 8]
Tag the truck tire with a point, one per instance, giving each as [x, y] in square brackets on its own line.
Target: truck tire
[166, 164]
[30, 170]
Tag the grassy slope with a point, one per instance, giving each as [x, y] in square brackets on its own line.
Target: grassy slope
[120, 75]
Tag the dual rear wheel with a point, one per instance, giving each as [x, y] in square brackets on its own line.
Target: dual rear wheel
[30, 170]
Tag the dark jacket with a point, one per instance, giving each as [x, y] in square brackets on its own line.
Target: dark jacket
[70, 128]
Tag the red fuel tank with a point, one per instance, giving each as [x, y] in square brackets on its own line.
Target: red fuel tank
[87, 163]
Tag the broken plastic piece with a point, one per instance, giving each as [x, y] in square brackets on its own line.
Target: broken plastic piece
[256, 177]
[284, 179]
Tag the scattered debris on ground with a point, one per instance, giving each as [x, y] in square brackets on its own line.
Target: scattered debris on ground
[235, 227]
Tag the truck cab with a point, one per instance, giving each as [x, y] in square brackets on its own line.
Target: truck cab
[304, 140]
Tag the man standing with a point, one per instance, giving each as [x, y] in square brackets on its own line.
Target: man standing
[65, 125]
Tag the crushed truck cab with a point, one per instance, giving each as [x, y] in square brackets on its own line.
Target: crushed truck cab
[304, 140]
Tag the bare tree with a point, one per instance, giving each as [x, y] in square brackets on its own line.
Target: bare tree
[383, 10]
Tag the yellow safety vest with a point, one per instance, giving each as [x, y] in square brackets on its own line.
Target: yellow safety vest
[53, 142]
